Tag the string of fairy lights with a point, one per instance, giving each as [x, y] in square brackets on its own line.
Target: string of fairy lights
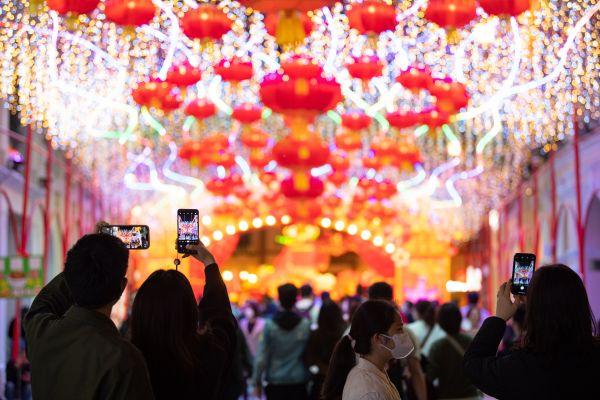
[530, 79]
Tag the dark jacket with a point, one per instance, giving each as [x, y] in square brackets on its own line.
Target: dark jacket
[445, 364]
[212, 350]
[318, 353]
[76, 353]
[525, 375]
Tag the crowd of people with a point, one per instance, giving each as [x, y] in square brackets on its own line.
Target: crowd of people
[301, 345]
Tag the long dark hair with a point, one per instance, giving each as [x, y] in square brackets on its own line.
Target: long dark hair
[331, 319]
[371, 318]
[559, 319]
[426, 311]
[164, 326]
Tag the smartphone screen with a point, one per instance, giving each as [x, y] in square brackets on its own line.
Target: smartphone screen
[523, 267]
[135, 237]
[188, 229]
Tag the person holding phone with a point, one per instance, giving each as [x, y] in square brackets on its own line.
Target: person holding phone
[188, 347]
[560, 354]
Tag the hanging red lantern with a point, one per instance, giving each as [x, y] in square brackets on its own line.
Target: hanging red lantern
[183, 75]
[194, 152]
[365, 68]
[224, 186]
[434, 118]
[215, 143]
[415, 78]
[247, 113]
[72, 7]
[505, 8]
[350, 141]
[222, 158]
[129, 13]
[259, 159]
[301, 67]
[314, 188]
[270, 6]
[292, 153]
[299, 97]
[356, 121]
[157, 94]
[234, 70]
[289, 28]
[206, 23]
[372, 17]
[386, 150]
[200, 109]
[372, 163]
[402, 119]
[451, 15]
[254, 139]
[339, 162]
[338, 178]
[450, 96]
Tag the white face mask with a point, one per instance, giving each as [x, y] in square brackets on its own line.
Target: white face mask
[403, 345]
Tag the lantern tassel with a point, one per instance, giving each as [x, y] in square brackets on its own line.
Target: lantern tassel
[290, 31]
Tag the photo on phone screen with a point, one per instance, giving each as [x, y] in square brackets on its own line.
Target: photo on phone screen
[135, 237]
[523, 268]
[188, 228]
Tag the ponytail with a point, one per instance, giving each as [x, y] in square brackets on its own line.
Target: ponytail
[371, 318]
[342, 361]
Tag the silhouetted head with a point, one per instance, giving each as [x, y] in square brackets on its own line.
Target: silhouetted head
[381, 291]
[331, 319]
[426, 311]
[473, 298]
[306, 291]
[559, 319]
[449, 318]
[288, 293]
[95, 270]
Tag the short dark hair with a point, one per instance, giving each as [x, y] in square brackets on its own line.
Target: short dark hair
[95, 268]
[306, 291]
[381, 291]
[449, 318]
[473, 297]
[287, 295]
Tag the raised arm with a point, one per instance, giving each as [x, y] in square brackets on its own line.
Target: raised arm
[51, 303]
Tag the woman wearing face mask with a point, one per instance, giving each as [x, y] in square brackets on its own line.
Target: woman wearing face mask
[357, 366]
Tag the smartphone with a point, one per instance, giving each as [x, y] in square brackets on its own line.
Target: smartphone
[188, 229]
[135, 237]
[523, 267]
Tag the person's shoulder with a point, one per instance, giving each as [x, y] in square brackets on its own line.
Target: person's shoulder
[129, 355]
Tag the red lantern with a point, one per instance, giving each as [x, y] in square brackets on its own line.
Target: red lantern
[72, 7]
[348, 141]
[156, 93]
[365, 68]
[383, 190]
[338, 178]
[451, 96]
[356, 121]
[270, 6]
[434, 118]
[451, 14]
[402, 119]
[288, 27]
[206, 22]
[200, 109]
[372, 17]
[300, 97]
[130, 12]
[415, 78]
[195, 153]
[505, 8]
[306, 154]
[234, 70]
[314, 188]
[254, 139]
[372, 163]
[183, 75]
[259, 159]
[386, 150]
[339, 162]
[247, 113]
[215, 143]
[222, 158]
[298, 67]
[224, 186]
